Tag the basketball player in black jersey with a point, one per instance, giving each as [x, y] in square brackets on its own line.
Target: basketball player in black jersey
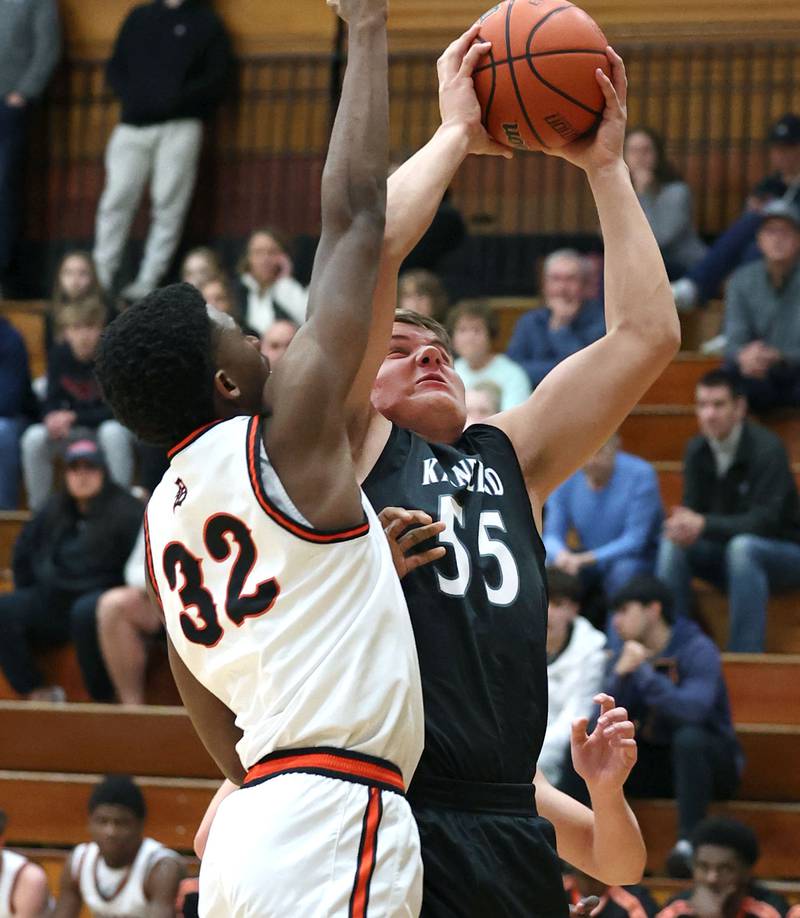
[479, 613]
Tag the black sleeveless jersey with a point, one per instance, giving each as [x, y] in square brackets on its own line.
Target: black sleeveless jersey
[480, 613]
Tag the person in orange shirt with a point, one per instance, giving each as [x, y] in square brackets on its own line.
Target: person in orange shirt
[614, 901]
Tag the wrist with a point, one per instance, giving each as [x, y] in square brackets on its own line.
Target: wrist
[605, 797]
[456, 134]
[614, 171]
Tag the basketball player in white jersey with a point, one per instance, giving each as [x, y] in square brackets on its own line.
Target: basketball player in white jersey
[287, 631]
[120, 873]
[23, 885]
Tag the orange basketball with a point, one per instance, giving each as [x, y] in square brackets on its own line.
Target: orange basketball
[537, 86]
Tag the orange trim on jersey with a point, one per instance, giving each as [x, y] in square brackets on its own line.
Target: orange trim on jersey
[628, 901]
[327, 763]
[367, 855]
[148, 554]
[303, 532]
[192, 437]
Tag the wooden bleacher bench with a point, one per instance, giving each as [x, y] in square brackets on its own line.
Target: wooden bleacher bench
[763, 688]
[28, 317]
[49, 808]
[677, 383]
[11, 522]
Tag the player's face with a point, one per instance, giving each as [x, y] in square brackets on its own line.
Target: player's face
[417, 387]
[719, 869]
[244, 367]
[717, 411]
[117, 832]
[779, 240]
[630, 621]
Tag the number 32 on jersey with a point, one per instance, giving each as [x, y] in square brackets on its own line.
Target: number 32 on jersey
[500, 594]
[203, 626]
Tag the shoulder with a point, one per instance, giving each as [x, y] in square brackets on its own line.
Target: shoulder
[696, 446]
[534, 318]
[765, 441]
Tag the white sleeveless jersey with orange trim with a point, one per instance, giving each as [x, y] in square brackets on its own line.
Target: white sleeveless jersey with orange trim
[303, 634]
[116, 892]
[11, 864]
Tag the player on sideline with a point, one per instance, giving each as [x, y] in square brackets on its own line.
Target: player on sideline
[479, 613]
[23, 885]
[119, 872]
[287, 630]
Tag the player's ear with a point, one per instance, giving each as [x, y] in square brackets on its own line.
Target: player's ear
[225, 387]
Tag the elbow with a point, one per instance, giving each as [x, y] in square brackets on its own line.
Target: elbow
[350, 202]
[628, 874]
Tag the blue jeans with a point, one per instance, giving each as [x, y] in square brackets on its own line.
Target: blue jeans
[733, 248]
[9, 463]
[747, 568]
[12, 139]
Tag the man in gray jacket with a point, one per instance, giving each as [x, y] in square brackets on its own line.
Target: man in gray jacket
[30, 43]
[762, 313]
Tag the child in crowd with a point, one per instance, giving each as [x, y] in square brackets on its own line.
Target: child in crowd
[200, 265]
[73, 398]
[421, 291]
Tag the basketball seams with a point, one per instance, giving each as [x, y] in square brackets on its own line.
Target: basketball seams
[511, 68]
[524, 57]
[492, 64]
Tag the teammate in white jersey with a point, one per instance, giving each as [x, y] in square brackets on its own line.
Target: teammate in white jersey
[287, 630]
[23, 885]
[120, 873]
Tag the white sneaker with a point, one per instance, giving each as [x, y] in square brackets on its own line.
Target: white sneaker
[685, 293]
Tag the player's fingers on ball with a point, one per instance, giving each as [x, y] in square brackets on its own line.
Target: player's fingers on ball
[493, 148]
[619, 76]
[451, 57]
[473, 56]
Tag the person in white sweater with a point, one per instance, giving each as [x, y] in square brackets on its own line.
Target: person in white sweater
[576, 660]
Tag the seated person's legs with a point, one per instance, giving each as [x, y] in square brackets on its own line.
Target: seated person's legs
[9, 463]
[755, 566]
[676, 565]
[116, 442]
[83, 623]
[37, 451]
[126, 620]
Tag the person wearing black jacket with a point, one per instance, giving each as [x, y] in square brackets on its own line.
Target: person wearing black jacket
[739, 526]
[169, 69]
[72, 550]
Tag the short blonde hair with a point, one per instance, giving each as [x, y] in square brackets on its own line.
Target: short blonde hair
[90, 311]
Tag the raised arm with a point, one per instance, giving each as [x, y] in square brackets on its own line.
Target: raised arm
[585, 398]
[415, 191]
[306, 438]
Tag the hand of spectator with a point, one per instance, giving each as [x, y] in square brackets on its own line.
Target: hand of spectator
[402, 540]
[568, 562]
[605, 759]
[753, 360]
[59, 424]
[285, 266]
[458, 103]
[684, 526]
[587, 906]
[603, 149]
[632, 656]
[16, 100]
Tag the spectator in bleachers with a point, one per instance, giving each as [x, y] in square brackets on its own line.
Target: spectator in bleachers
[73, 549]
[482, 401]
[277, 338]
[30, 43]
[576, 662]
[75, 281]
[615, 901]
[613, 506]
[120, 871]
[73, 398]
[473, 327]
[762, 313]
[725, 851]
[565, 324]
[15, 400]
[169, 69]
[668, 675]
[267, 290]
[200, 265]
[739, 525]
[666, 200]
[736, 245]
[127, 622]
[24, 891]
[422, 291]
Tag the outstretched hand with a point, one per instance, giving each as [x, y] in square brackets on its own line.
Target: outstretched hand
[458, 103]
[605, 758]
[396, 523]
[353, 10]
[603, 148]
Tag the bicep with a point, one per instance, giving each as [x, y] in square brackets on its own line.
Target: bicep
[31, 894]
[577, 407]
[162, 887]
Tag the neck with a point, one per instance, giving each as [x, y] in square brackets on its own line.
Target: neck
[563, 317]
[82, 504]
[598, 481]
[778, 271]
